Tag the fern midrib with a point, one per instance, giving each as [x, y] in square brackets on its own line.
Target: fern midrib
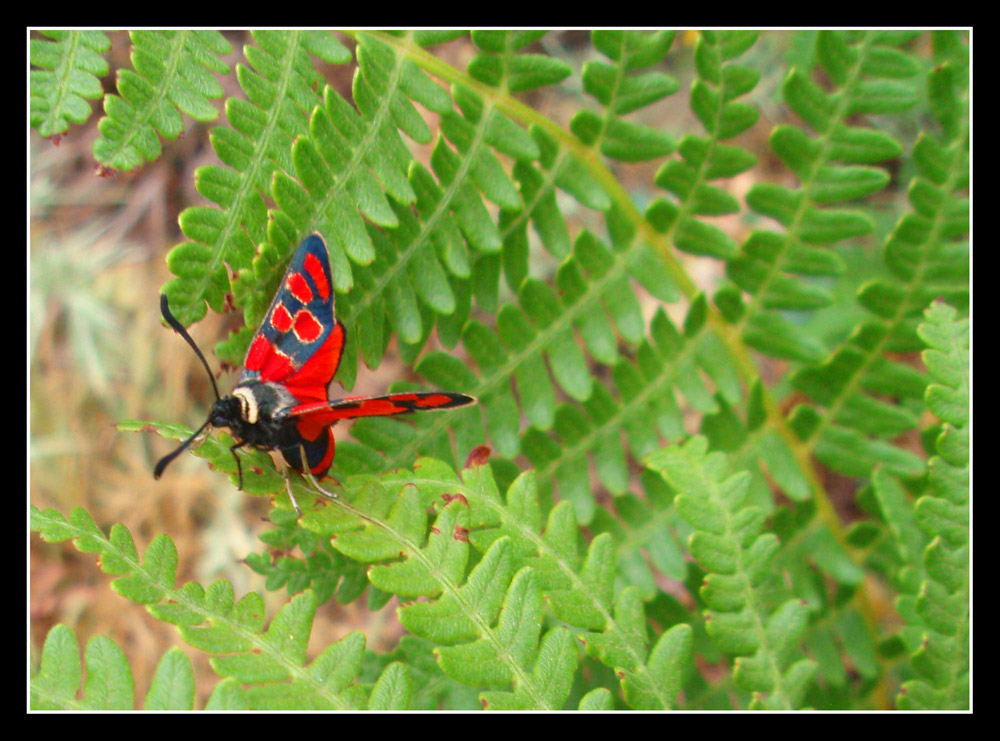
[753, 604]
[755, 304]
[62, 74]
[170, 66]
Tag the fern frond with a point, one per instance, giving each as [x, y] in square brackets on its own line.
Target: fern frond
[500, 65]
[70, 65]
[109, 684]
[646, 545]
[170, 76]
[594, 286]
[492, 224]
[418, 260]
[749, 614]
[55, 683]
[833, 166]
[926, 257]
[270, 661]
[720, 81]
[430, 688]
[540, 329]
[620, 91]
[487, 625]
[940, 611]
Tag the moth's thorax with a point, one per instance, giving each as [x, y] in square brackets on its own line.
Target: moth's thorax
[261, 401]
[256, 413]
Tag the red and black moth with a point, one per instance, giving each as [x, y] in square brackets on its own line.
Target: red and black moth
[282, 401]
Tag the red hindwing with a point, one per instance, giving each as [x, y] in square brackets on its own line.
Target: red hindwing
[317, 416]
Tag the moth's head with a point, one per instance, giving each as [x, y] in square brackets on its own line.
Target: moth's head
[230, 411]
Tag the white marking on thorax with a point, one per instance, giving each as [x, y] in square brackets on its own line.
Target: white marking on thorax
[248, 404]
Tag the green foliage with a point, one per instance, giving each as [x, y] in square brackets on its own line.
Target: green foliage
[486, 623]
[939, 612]
[69, 66]
[749, 613]
[604, 547]
[56, 680]
[170, 76]
[270, 661]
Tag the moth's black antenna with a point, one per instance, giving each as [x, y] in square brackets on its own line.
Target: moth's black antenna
[179, 329]
[165, 460]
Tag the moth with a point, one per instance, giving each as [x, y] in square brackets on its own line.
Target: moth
[281, 401]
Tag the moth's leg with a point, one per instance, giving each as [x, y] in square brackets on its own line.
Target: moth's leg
[288, 488]
[239, 466]
[305, 469]
[286, 472]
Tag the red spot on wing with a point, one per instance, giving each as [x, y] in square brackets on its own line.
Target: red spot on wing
[434, 400]
[315, 269]
[376, 408]
[298, 287]
[281, 320]
[307, 328]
